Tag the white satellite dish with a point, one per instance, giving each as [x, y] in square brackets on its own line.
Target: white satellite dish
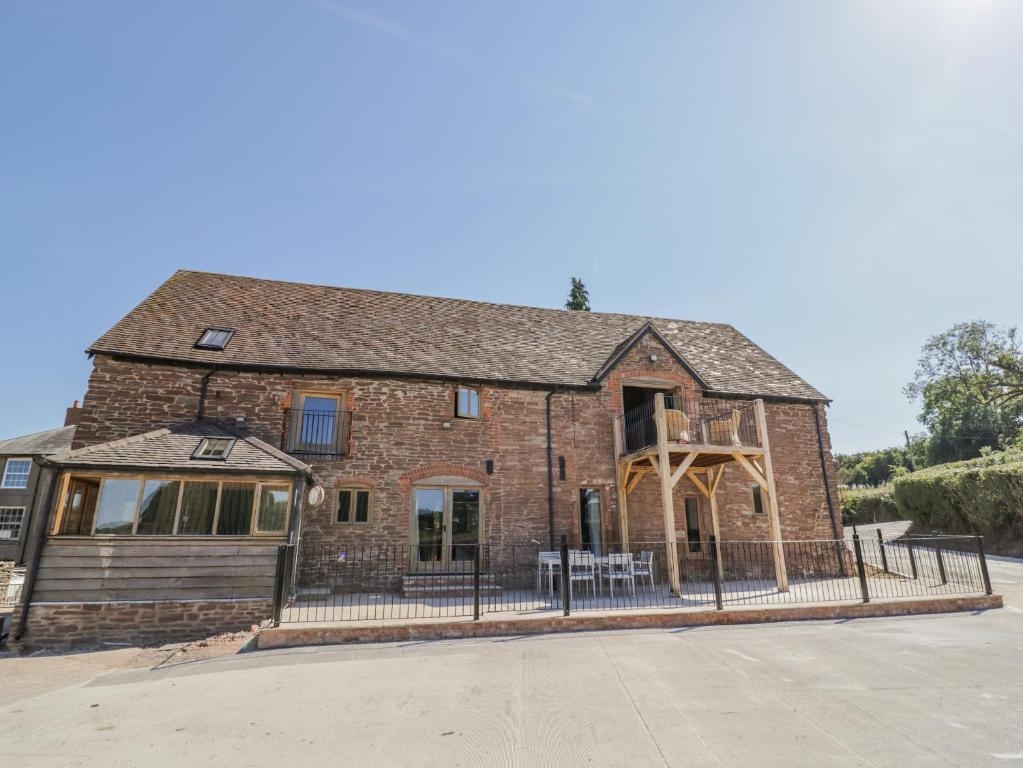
[315, 495]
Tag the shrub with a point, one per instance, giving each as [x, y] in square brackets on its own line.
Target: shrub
[868, 505]
[982, 495]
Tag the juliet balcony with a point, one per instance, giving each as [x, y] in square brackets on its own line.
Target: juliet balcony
[316, 433]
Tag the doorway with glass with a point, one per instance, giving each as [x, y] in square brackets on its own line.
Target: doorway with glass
[447, 525]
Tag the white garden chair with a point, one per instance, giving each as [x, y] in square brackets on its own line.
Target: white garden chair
[582, 566]
[644, 566]
[618, 566]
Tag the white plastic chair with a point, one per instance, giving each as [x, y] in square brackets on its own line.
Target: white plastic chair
[645, 566]
[582, 566]
[620, 567]
[548, 564]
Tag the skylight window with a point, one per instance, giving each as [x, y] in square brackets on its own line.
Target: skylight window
[215, 339]
[216, 448]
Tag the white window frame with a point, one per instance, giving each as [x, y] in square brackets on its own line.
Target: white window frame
[7, 473]
[21, 522]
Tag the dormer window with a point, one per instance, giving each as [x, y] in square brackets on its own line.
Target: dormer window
[214, 339]
[214, 448]
[467, 403]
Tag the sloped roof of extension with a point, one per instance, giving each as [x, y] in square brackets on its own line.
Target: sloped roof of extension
[295, 326]
[173, 448]
[52, 443]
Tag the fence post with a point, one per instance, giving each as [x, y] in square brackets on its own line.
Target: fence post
[476, 582]
[861, 569]
[566, 600]
[280, 580]
[884, 554]
[983, 565]
[715, 570]
[912, 558]
[941, 562]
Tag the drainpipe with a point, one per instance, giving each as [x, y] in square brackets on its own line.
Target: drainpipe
[203, 384]
[824, 471]
[41, 523]
[550, 473]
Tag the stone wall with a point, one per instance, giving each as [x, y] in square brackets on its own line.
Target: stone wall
[68, 625]
[403, 432]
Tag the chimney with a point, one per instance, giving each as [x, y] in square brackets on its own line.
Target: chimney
[73, 414]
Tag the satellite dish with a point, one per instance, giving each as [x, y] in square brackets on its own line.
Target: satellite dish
[315, 495]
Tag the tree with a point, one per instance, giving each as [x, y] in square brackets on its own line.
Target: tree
[578, 296]
[970, 383]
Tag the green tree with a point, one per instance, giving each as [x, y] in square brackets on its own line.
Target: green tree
[969, 381]
[578, 296]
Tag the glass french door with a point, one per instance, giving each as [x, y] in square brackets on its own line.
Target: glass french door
[446, 528]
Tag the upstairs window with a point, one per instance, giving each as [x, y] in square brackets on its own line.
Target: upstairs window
[214, 339]
[16, 473]
[215, 448]
[467, 403]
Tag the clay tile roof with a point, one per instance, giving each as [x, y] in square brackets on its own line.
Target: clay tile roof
[296, 326]
[53, 442]
[172, 448]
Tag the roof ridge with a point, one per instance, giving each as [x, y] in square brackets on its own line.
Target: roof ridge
[476, 302]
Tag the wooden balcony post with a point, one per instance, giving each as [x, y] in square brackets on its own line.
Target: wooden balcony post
[620, 484]
[780, 572]
[667, 504]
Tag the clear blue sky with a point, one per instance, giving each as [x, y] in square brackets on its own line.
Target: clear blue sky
[837, 180]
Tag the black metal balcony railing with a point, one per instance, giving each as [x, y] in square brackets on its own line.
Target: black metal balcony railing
[701, 421]
[316, 433]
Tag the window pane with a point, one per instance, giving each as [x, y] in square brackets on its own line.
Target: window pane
[428, 529]
[465, 524]
[159, 504]
[16, 473]
[236, 509]
[589, 520]
[213, 447]
[758, 501]
[79, 506]
[468, 403]
[361, 506]
[198, 505]
[273, 508]
[116, 512]
[319, 419]
[474, 403]
[693, 535]
[344, 504]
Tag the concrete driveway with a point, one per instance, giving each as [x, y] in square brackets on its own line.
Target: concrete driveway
[933, 691]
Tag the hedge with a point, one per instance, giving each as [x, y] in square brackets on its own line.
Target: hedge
[983, 495]
[868, 505]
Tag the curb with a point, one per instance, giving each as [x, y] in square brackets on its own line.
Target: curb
[334, 634]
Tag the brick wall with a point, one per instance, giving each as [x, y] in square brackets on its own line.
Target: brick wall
[399, 438]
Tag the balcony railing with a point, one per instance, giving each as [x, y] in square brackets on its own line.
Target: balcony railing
[316, 433]
[697, 421]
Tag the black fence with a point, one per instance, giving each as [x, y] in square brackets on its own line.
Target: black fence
[702, 420]
[316, 433]
[369, 582]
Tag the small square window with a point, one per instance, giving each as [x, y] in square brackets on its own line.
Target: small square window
[467, 403]
[215, 339]
[16, 473]
[353, 505]
[215, 448]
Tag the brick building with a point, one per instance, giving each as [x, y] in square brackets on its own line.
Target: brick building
[225, 415]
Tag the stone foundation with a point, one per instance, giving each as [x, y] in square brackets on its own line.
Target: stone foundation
[143, 622]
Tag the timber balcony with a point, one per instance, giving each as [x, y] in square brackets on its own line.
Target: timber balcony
[672, 437]
[316, 433]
